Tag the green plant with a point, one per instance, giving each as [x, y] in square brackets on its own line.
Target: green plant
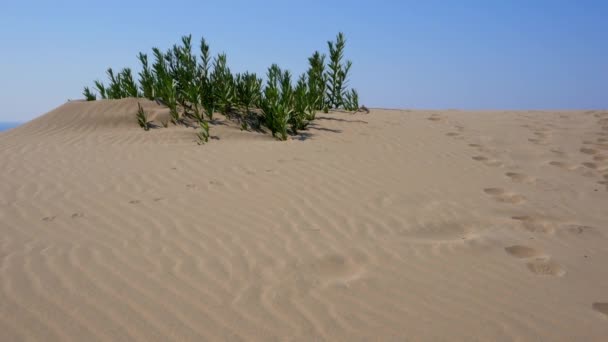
[121, 85]
[142, 118]
[168, 95]
[193, 96]
[206, 87]
[248, 90]
[223, 85]
[316, 80]
[128, 87]
[203, 135]
[197, 87]
[337, 73]
[159, 72]
[277, 102]
[351, 101]
[88, 95]
[114, 91]
[101, 89]
[146, 78]
[301, 106]
[182, 67]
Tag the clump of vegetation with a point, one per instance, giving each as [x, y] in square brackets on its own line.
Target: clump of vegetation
[88, 95]
[223, 85]
[194, 87]
[317, 80]
[203, 134]
[337, 74]
[142, 118]
[146, 78]
[277, 102]
[249, 95]
[351, 100]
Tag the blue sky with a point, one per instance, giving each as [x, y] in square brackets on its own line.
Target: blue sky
[406, 54]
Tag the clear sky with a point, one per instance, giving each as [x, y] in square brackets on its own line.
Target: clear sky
[531, 54]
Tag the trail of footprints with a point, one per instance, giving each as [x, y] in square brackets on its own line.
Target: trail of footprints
[536, 261]
[501, 195]
[597, 150]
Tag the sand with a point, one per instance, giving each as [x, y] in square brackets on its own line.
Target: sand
[392, 225]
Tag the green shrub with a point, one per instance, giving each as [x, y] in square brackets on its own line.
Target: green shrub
[203, 135]
[223, 85]
[88, 95]
[159, 72]
[128, 87]
[248, 90]
[101, 89]
[146, 78]
[170, 99]
[351, 100]
[121, 85]
[277, 103]
[206, 87]
[192, 101]
[142, 118]
[182, 67]
[316, 80]
[301, 106]
[114, 91]
[194, 87]
[337, 73]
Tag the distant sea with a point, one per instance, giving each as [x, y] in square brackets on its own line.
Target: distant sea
[4, 126]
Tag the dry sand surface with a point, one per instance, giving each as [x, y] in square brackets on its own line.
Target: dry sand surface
[392, 225]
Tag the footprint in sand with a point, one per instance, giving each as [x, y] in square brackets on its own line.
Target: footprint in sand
[134, 201]
[191, 186]
[48, 218]
[601, 307]
[452, 134]
[435, 117]
[502, 195]
[546, 266]
[541, 265]
[587, 150]
[519, 177]
[537, 141]
[487, 161]
[535, 224]
[595, 166]
[523, 252]
[77, 215]
[577, 229]
[158, 199]
[600, 158]
[563, 165]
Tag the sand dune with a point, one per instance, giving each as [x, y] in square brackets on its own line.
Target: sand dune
[392, 225]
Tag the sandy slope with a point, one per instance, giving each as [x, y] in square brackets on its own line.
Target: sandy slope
[393, 225]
